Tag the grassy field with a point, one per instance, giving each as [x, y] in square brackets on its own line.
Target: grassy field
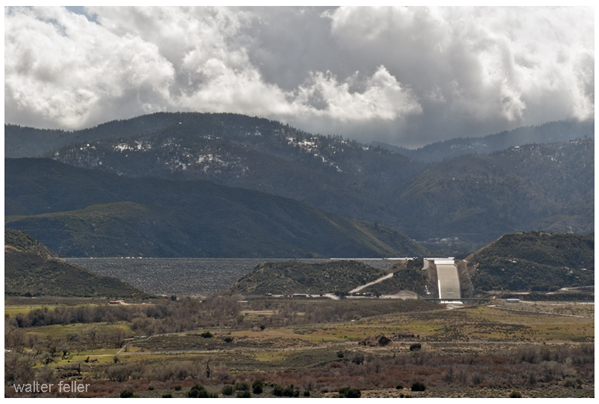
[60, 331]
[12, 311]
[468, 329]
[14, 305]
[494, 338]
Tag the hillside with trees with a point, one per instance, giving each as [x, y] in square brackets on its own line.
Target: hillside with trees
[110, 215]
[526, 188]
[534, 261]
[550, 132]
[298, 277]
[514, 186]
[31, 269]
[407, 276]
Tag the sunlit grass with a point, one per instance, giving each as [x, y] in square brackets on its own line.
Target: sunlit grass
[12, 311]
[61, 331]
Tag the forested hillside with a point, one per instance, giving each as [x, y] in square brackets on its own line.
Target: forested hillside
[530, 187]
[31, 269]
[476, 197]
[534, 261]
[109, 215]
[551, 132]
[298, 277]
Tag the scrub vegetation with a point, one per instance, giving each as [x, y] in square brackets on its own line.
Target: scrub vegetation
[305, 348]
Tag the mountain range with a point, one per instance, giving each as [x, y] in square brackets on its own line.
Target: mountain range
[479, 197]
[81, 212]
[550, 132]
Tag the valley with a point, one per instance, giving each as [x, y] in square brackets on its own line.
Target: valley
[299, 202]
[202, 255]
[484, 350]
[265, 330]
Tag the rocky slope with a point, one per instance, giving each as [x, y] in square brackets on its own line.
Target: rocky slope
[32, 269]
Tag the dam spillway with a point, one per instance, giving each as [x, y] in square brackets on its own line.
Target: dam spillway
[448, 279]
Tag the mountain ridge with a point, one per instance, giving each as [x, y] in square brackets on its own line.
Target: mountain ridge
[179, 218]
[540, 187]
[550, 132]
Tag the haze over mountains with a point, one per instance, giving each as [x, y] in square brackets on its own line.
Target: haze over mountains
[551, 132]
[480, 197]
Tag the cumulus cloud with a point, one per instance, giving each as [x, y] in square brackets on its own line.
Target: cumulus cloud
[475, 68]
[403, 75]
[382, 98]
[62, 70]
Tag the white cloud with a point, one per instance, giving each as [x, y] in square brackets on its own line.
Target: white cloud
[508, 65]
[383, 98]
[61, 68]
[415, 74]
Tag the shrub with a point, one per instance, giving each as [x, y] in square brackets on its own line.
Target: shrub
[515, 394]
[119, 373]
[415, 347]
[477, 379]
[417, 386]
[199, 391]
[228, 339]
[244, 386]
[126, 394]
[288, 392]
[340, 354]
[167, 396]
[350, 393]
[178, 370]
[245, 394]
[151, 388]
[177, 388]
[206, 334]
[399, 387]
[569, 382]
[258, 386]
[306, 393]
[228, 390]
[358, 359]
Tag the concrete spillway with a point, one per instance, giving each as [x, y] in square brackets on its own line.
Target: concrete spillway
[448, 279]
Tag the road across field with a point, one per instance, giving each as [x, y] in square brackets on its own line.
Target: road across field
[359, 288]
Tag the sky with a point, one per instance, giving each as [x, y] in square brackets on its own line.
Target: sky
[407, 76]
